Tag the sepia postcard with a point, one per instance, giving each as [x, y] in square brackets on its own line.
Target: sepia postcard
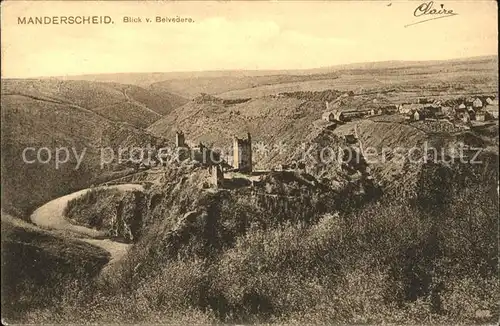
[250, 162]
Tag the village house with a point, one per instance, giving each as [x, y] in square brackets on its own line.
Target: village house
[489, 100]
[327, 104]
[465, 117]
[418, 116]
[492, 110]
[383, 109]
[431, 111]
[182, 150]
[477, 103]
[462, 107]
[482, 116]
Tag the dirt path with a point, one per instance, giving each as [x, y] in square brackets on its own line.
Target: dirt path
[51, 216]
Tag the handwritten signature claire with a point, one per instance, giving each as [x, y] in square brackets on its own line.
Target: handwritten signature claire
[426, 10]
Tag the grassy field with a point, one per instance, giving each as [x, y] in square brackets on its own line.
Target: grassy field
[235, 84]
[426, 82]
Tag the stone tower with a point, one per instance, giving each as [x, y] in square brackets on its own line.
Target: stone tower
[179, 139]
[242, 154]
[217, 176]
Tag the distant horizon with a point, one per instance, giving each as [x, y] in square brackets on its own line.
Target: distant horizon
[334, 68]
[236, 36]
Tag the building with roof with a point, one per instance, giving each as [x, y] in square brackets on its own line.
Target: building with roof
[448, 111]
[406, 108]
[492, 110]
[424, 100]
[492, 102]
[482, 116]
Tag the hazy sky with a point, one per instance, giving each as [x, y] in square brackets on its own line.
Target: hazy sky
[238, 35]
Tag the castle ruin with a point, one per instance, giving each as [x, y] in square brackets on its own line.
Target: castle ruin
[242, 154]
[180, 141]
[181, 147]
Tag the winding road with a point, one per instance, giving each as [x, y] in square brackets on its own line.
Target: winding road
[51, 216]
